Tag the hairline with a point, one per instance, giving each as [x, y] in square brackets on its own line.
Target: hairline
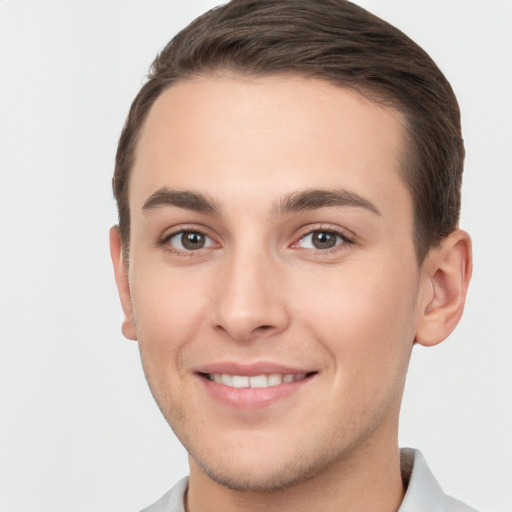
[406, 147]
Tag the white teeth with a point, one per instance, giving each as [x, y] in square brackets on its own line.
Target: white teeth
[255, 381]
[274, 379]
[240, 381]
[259, 381]
[226, 379]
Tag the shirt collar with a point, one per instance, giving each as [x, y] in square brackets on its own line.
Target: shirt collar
[423, 491]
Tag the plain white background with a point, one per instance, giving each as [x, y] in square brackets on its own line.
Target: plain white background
[79, 431]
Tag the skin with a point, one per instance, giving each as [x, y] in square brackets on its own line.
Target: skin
[260, 291]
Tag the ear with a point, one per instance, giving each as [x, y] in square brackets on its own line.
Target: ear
[447, 272]
[122, 282]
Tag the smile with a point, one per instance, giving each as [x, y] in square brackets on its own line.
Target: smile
[255, 381]
[254, 386]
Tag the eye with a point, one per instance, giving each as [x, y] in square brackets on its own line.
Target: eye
[189, 241]
[321, 240]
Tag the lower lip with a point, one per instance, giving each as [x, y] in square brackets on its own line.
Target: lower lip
[252, 398]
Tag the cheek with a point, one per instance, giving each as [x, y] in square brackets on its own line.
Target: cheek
[365, 319]
[168, 310]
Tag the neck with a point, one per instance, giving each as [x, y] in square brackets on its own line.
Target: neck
[368, 480]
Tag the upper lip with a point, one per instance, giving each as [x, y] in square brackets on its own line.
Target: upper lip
[250, 369]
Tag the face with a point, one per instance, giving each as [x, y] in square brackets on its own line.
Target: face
[274, 288]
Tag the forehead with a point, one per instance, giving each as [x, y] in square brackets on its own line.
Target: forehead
[268, 136]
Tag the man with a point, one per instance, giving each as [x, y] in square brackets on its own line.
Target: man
[288, 185]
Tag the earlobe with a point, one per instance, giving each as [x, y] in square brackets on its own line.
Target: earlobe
[447, 270]
[122, 282]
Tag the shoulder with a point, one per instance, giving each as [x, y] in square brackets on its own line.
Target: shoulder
[423, 491]
[171, 501]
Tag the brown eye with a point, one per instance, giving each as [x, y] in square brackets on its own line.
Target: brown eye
[321, 240]
[192, 241]
[189, 241]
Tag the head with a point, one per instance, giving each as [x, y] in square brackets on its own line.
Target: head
[288, 186]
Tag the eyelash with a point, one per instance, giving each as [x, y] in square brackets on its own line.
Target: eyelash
[338, 233]
[165, 241]
[344, 240]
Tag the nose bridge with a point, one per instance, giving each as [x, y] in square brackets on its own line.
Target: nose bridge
[249, 297]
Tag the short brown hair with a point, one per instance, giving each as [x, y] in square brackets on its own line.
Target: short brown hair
[333, 40]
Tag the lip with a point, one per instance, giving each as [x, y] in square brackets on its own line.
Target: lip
[252, 398]
[251, 369]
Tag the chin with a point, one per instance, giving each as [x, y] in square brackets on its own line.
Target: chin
[267, 479]
[263, 467]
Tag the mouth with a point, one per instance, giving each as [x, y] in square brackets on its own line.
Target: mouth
[253, 386]
[256, 381]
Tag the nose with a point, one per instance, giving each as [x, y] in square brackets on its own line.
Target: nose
[250, 300]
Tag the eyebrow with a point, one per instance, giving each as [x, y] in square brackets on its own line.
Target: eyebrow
[182, 199]
[305, 200]
[317, 198]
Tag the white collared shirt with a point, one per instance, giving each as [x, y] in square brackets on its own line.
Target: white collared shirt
[423, 493]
